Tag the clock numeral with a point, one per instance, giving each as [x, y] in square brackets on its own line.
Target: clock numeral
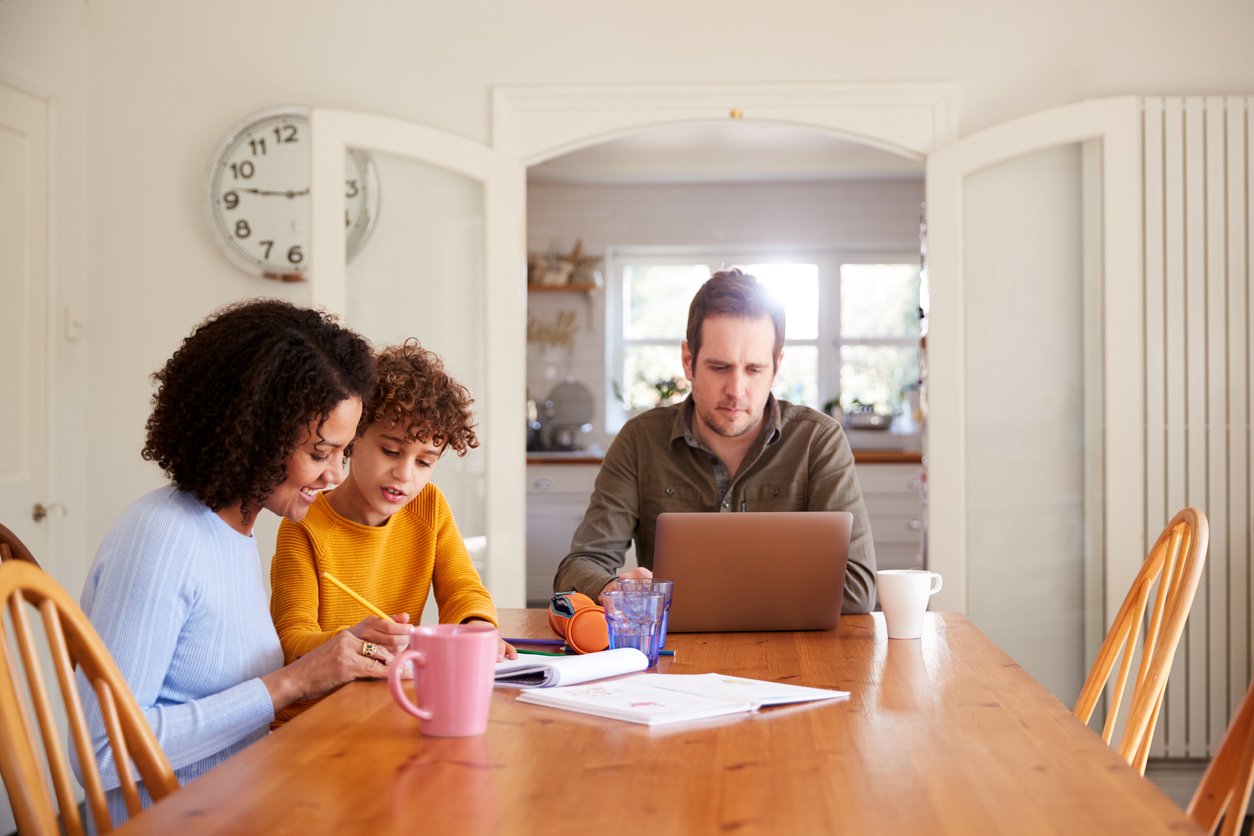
[285, 133]
[230, 200]
[242, 229]
[294, 255]
[242, 171]
[351, 189]
[258, 146]
[267, 245]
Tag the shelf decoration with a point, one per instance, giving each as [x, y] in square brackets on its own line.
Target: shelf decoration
[554, 269]
[558, 331]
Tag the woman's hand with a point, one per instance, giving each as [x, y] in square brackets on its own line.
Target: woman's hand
[323, 669]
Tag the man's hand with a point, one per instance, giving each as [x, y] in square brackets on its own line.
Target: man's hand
[638, 572]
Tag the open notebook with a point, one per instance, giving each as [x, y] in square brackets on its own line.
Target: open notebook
[549, 671]
[656, 698]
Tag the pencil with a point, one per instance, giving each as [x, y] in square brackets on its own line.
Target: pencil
[333, 579]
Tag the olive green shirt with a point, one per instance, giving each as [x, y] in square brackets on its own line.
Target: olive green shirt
[655, 464]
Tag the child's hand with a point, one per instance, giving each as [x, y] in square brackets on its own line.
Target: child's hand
[504, 650]
[389, 637]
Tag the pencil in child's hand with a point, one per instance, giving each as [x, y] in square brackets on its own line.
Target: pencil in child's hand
[333, 579]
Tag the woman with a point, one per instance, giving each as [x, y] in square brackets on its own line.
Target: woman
[255, 410]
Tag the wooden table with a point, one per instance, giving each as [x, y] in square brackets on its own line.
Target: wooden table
[942, 735]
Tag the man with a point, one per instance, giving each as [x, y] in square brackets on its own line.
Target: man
[730, 446]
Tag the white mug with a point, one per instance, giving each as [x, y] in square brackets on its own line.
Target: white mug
[904, 595]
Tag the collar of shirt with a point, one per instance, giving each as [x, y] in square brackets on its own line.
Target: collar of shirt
[681, 428]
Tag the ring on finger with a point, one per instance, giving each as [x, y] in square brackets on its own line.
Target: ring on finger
[368, 649]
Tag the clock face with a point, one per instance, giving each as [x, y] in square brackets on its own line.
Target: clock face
[259, 195]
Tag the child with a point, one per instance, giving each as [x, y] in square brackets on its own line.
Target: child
[386, 532]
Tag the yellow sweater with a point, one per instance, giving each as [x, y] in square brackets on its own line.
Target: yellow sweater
[393, 566]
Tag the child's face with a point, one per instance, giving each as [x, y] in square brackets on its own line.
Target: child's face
[385, 473]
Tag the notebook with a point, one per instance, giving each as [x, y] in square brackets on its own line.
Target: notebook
[782, 570]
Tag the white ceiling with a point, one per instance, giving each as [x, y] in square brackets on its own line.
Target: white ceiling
[725, 152]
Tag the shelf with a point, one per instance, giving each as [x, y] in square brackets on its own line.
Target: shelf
[561, 288]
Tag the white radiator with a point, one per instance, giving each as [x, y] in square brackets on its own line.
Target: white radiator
[1199, 335]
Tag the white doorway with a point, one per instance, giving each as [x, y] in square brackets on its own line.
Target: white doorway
[23, 313]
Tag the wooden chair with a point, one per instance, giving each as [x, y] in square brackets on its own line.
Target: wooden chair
[1175, 564]
[70, 640]
[12, 547]
[1225, 787]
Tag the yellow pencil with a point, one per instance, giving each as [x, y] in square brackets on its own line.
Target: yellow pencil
[333, 579]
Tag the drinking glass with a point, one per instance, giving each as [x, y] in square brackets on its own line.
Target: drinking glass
[634, 619]
[667, 588]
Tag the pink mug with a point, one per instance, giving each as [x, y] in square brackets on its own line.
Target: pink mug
[454, 669]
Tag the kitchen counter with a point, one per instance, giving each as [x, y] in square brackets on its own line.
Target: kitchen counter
[576, 457]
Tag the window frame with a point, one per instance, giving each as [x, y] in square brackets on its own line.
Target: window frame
[828, 341]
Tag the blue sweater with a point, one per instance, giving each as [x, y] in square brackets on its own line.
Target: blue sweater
[177, 596]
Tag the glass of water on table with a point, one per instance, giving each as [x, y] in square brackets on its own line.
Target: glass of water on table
[665, 587]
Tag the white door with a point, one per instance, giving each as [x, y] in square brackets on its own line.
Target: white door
[1034, 384]
[445, 262]
[23, 319]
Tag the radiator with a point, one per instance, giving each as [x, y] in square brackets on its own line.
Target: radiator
[1198, 316]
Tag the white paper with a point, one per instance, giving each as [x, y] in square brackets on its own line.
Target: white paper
[635, 701]
[739, 689]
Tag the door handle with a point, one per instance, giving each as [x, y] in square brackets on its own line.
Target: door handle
[40, 511]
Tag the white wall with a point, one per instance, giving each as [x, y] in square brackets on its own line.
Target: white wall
[860, 213]
[164, 80]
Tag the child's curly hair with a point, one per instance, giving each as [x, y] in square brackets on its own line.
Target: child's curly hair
[414, 391]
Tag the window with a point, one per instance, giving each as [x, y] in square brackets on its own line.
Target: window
[852, 324]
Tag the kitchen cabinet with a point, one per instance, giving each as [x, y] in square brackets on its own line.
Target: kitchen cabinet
[894, 502]
[558, 491]
[557, 496]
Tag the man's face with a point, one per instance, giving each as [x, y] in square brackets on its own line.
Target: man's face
[733, 374]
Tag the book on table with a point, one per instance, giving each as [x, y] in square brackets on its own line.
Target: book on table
[551, 671]
[655, 699]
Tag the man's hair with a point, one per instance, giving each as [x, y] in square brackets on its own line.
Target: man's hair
[233, 402]
[733, 293]
[415, 393]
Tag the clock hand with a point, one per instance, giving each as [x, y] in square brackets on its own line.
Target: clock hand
[288, 193]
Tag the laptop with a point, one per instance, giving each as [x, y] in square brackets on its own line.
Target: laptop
[733, 572]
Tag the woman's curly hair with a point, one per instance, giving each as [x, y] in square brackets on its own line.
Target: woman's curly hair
[414, 391]
[234, 400]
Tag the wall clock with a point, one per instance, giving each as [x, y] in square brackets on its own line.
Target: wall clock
[259, 194]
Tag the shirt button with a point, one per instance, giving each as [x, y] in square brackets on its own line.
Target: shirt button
[670, 491]
[774, 491]
[726, 503]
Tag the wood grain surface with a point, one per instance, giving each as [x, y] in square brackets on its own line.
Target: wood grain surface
[944, 735]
